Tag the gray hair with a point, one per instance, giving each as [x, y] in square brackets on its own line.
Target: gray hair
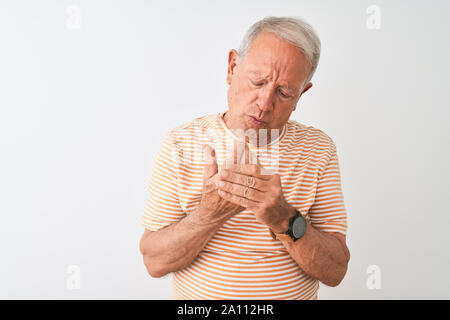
[292, 29]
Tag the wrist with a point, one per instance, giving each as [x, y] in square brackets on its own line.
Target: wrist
[206, 218]
[282, 225]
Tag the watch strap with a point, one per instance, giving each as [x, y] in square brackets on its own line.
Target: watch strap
[283, 237]
[287, 237]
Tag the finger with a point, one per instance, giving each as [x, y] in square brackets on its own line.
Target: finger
[241, 191]
[246, 151]
[245, 170]
[240, 201]
[248, 156]
[211, 167]
[237, 153]
[251, 181]
[210, 185]
[241, 152]
[233, 155]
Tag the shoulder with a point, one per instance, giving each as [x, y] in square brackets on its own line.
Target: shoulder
[205, 122]
[197, 125]
[310, 143]
[186, 140]
[193, 129]
[299, 133]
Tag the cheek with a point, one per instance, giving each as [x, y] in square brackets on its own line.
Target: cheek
[282, 113]
[241, 93]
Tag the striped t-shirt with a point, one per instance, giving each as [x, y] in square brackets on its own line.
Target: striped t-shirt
[242, 260]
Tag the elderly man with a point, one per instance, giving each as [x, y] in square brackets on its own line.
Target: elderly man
[267, 225]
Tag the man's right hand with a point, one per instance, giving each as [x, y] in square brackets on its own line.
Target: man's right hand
[174, 247]
[213, 208]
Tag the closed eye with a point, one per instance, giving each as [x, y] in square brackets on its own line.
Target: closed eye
[283, 94]
[257, 84]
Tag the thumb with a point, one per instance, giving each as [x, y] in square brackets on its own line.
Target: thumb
[210, 161]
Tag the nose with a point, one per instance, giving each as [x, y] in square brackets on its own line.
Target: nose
[265, 99]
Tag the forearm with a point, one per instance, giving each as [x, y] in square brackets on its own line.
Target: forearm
[321, 255]
[176, 246]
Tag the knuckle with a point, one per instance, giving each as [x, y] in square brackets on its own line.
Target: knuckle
[229, 187]
[224, 186]
[208, 188]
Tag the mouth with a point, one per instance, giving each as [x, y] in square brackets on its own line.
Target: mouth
[257, 121]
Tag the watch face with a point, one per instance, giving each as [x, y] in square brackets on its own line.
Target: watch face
[299, 227]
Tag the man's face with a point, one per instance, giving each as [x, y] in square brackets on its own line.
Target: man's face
[266, 84]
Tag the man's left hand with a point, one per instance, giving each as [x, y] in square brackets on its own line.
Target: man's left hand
[243, 184]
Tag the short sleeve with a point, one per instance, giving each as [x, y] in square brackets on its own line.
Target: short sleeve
[328, 212]
[162, 206]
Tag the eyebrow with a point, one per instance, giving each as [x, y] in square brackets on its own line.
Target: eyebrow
[289, 89]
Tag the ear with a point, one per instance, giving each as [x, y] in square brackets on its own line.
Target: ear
[307, 87]
[233, 57]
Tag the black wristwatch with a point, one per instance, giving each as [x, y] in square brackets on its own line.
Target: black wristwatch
[296, 230]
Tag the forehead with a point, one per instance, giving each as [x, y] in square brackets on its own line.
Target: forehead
[269, 54]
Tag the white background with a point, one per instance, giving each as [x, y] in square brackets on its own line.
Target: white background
[83, 111]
